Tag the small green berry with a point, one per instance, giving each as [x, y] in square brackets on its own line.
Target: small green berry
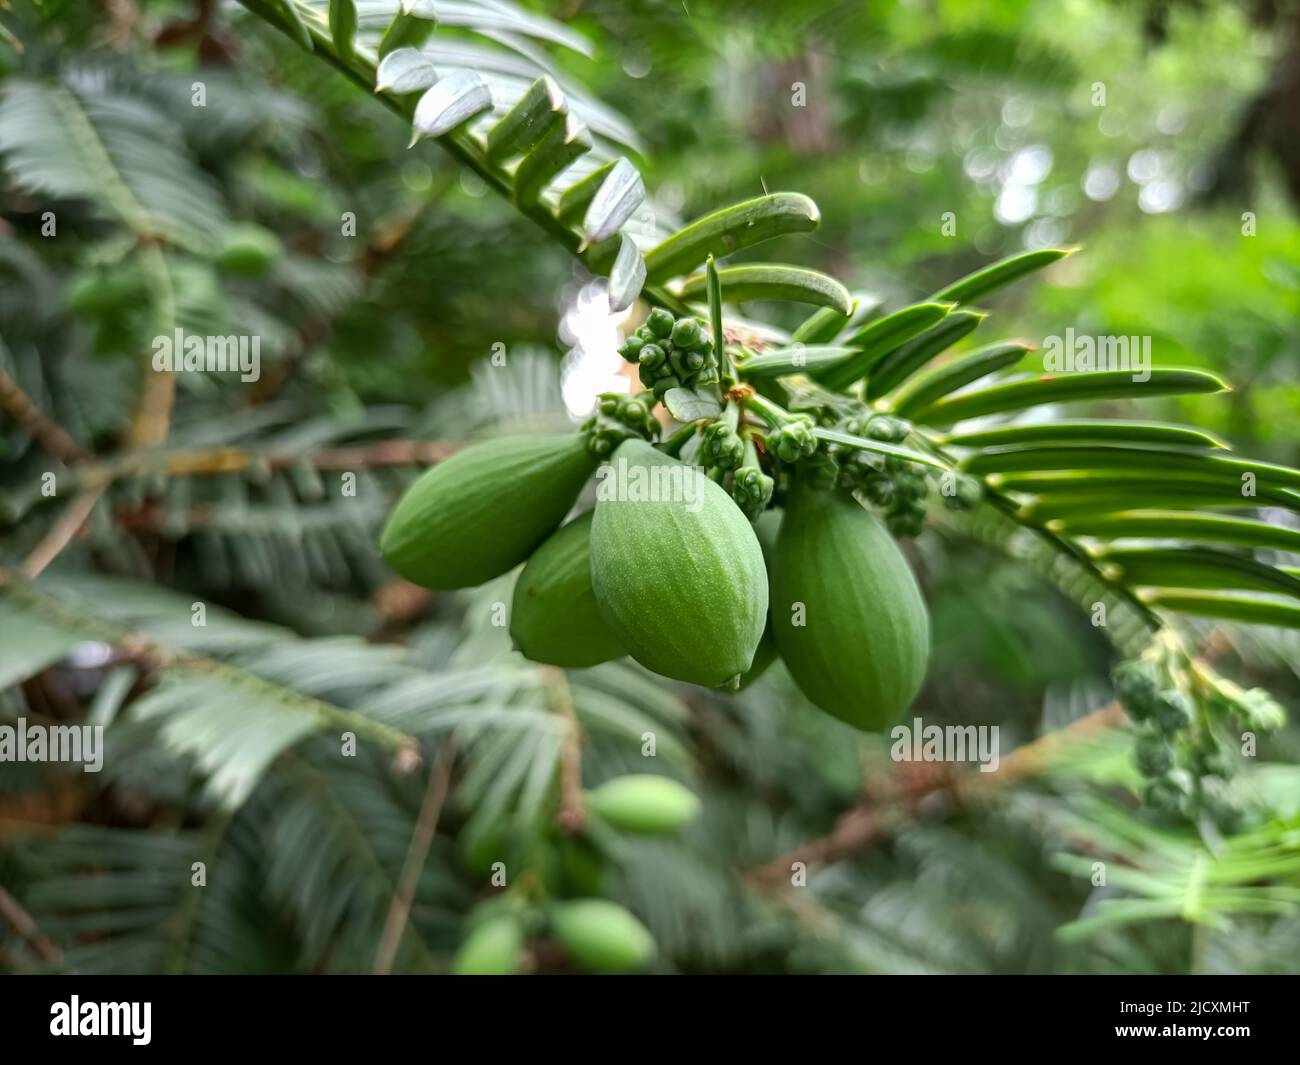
[660, 322]
[686, 333]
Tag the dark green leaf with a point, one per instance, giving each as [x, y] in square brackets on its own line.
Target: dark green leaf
[1021, 392]
[793, 359]
[860, 443]
[877, 339]
[1084, 431]
[575, 200]
[918, 394]
[741, 225]
[1180, 525]
[901, 363]
[405, 31]
[773, 281]
[691, 404]
[1193, 567]
[1228, 607]
[1156, 461]
[999, 274]
[554, 153]
[820, 327]
[343, 26]
[541, 107]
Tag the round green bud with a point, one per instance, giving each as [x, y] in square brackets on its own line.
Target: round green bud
[1173, 711]
[1137, 685]
[1153, 754]
[660, 322]
[686, 332]
[663, 384]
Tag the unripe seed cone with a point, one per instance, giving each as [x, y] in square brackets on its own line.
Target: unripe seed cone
[554, 617]
[601, 936]
[644, 804]
[249, 250]
[862, 650]
[485, 509]
[493, 948]
[676, 568]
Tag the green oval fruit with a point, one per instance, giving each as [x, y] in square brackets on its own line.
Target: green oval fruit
[676, 568]
[249, 250]
[485, 509]
[644, 804]
[493, 948]
[601, 936]
[554, 617]
[862, 649]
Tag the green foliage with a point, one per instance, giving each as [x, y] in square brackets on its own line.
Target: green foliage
[273, 703]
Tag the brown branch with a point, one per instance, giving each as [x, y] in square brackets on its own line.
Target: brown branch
[572, 814]
[39, 425]
[153, 417]
[426, 825]
[61, 533]
[208, 461]
[928, 789]
[21, 922]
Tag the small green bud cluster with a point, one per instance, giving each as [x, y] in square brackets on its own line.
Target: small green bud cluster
[1186, 766]
[794, 440]
[619, 418]
[965, 494]
[898, 487]
[752, 490]
[671, 353]
[721, 447]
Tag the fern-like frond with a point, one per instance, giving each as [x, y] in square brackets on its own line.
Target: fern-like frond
[113, 152]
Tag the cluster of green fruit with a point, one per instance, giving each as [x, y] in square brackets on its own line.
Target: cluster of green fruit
[668, 569]
[671, 353]
[560, 904]
[1186, 765]
[898, 488]
[618, 418]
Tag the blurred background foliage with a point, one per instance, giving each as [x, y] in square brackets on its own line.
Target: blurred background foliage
[1153, 134]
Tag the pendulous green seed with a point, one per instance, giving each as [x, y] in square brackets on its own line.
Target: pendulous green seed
[847, 615]
[677, 570]
[485, 509]
[554, 617]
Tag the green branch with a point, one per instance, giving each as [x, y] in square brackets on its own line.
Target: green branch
[360, 66]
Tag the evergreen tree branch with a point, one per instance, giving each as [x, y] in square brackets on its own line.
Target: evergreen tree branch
[155, 656]
[62, 533]
[928, 789]
[360, 67]
[435, 796]
[22, 923]
[571, 815]
[56, 440]
[212, 461]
